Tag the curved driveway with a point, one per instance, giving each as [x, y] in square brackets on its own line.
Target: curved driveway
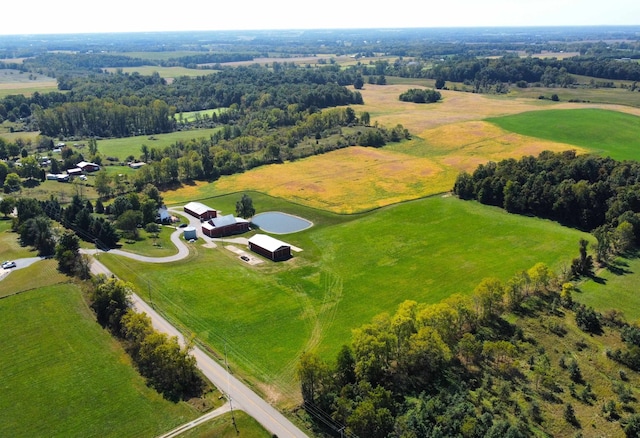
[183, 251]
[240, 395]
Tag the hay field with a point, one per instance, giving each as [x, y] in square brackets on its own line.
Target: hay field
[344, 181]
[464, 145]
[16, 82]
[448, 137]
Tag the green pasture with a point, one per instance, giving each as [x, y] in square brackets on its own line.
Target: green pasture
[121, 148]
[63, 375]
[349, 271]
[63, 191]
[607, 133]
[614, 288]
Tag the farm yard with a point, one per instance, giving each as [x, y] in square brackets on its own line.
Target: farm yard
[386, 228]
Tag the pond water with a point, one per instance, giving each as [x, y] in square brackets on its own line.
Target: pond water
[280, 223]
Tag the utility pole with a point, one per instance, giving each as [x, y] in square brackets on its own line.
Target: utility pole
[233, 418]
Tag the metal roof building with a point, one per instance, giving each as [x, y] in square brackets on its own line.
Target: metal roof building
[201, 211]
[269, 247]
[221, 226]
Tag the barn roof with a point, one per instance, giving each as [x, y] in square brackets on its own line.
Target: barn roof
[225, 221]
[197, 207]
[267, 242]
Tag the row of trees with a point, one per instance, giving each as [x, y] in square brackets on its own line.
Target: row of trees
[168, 367]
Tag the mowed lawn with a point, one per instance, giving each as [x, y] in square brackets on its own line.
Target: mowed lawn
[267, 315]
[607, 133]
[63, 375]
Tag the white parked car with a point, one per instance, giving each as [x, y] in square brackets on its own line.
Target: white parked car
[9, 264]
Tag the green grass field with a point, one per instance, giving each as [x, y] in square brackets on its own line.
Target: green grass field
[347, 272]
[603, 132]
[9, 246]
[63, 375]
[123, 147]
[614, 289]
[165, 72]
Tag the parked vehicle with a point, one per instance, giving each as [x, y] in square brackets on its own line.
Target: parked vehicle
[9, 264]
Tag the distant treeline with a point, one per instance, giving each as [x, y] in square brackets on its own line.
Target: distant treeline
[116, 105]
[57, 64]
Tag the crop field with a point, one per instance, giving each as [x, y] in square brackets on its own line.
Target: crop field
[349, 270]
[603, 132]
[63, 375]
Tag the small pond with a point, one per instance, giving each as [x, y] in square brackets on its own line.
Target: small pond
[280, 223]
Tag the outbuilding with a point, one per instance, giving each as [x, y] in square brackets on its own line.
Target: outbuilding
[200, 211]
[189, 233]
[76, 171]
[88, 167]
[269, 247]
[225, 226]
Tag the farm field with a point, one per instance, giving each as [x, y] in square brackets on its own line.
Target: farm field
[602, 132]
[121, 148]
[63, 375]
[347, 272]
[16, 82]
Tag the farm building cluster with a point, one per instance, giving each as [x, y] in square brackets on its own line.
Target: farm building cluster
[214, 225]
[82, 168]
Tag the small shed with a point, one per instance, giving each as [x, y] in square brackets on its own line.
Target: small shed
[225, 226]
[190, 233]
[201, 211]
[269, 247]
[76, 171]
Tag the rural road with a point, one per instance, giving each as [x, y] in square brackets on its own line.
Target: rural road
[242, 397]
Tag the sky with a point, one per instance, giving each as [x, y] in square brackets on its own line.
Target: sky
[73, 16]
